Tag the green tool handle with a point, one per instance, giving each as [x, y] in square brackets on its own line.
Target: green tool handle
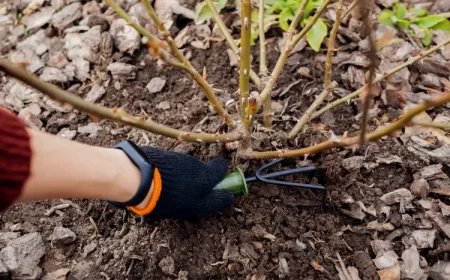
[234, 182]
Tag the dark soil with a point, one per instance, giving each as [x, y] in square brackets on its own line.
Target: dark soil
[129, 249]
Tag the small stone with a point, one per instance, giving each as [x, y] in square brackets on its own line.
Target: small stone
[60, 274]
[38, 19]
[5, 237]
[387, 260]
[156, 85]
[396, 196]
[122, 71]
[89, 248]
[167, 265]
[423, 238]
[165, 105]
[92, 129]
[96, 92]
[126, 38]
[300, 246]
[67, 15]
[63, 236]
[82, 68]
[420, 188]
[31, 120]
[283, 268]
[58, 60]
[353, 163]
[53, 75]
[22, 255]
[277, 107]
[66, 133]
[183, 275]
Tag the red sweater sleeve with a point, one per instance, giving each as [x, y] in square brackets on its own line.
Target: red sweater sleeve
[15, 157]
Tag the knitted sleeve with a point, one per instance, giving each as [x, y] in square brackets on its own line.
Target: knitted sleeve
[15, 158]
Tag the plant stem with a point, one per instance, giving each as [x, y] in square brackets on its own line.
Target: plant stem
[307, 115]
[117, 114]
[246, 23]
[331, 41]
[263, 70]
[163, 30]
[381, 77]
[184, 63]
[289, 46]
[349, 9]
[345, 141]
[250, 112]
[445, 126]
[367, 99]
[231, 43]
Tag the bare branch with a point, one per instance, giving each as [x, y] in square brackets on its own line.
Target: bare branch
[331, 41]
[445, 126]
[345, 141]
[349, 9]
[367, 98]
[263, 70]
[291, 42]
[378, 79]
[246, 24]
[118, 114]
[307, 115]
[224, 30]
[183, 64]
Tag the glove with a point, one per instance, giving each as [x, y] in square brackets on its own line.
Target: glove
[187, 185]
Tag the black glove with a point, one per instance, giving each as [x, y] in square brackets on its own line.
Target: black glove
[187, 185]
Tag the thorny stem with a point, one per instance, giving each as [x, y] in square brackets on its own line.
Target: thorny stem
[445, 126]
[263, 70]
[378, 79]
[345, 141]
[307, 115]
[244, 87]
[231, 43]
[331, 41]
[184, 64]
[117, 114]
[290, 44]
[367, 98]
[349, 9]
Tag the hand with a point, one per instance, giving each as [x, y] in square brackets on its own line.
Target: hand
[187, 185]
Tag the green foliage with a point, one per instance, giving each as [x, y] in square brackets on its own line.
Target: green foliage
[280, 12]
[401, 17]
[203, 13]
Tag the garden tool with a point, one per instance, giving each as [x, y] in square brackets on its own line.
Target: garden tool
[236, 182]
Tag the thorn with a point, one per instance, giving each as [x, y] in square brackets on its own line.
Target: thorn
[200, 140]
[204, 72]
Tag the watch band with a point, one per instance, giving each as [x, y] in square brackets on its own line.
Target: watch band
[147, 171]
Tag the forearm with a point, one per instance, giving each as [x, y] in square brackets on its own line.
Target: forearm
[66, 169]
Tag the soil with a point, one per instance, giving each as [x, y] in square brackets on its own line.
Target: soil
[249, 240]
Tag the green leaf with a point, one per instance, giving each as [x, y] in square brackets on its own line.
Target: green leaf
[311, 7]
[443, 25]
[426, 41]
[285, 17]
[428, 21]
[418, 12]
[203, 13]
[317, 34]
[403, 23]
[400, 10]
[386, 17]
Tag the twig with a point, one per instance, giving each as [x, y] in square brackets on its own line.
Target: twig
[231, 43]
[367, 99]
[445, 126]
[343, 267]
[307, 115]
[164, 32]
[290, 44]
[345, 141]
[182, 62]
[246, 24]
[331, 41]
[349, 9]
[381, 77]
[116, 114]
[263, 71]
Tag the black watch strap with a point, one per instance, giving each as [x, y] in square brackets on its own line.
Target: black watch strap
[139, 159]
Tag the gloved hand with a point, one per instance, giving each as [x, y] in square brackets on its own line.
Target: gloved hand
[187, 185]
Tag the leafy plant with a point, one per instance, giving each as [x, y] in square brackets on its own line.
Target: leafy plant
[203, 12]
[403, 18]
